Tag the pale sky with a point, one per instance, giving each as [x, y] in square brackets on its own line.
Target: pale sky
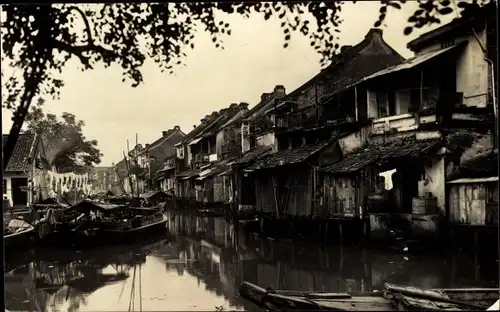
[253, 61]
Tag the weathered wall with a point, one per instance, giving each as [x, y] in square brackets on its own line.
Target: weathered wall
[468, 202]
[433, 181]
[301, 190]
[266, 140]
[483, 143]
[355, 140]
[340, 195]
[264, 195]
[7, 192]
[219, 142]
[245, 137]
[472, 72]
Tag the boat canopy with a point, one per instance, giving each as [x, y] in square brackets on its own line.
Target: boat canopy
[87, 205]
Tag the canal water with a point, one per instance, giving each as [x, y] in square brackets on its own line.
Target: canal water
[199, 265]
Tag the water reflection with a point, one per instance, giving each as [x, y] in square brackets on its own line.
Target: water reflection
[201, 266]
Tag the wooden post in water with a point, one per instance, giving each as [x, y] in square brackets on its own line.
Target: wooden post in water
[341, 234]
[476, 255]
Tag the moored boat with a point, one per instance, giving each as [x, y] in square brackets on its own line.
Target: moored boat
[392, 298]
[90, 224]
[18, 234]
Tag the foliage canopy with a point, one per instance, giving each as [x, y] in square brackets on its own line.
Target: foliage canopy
[66, 147]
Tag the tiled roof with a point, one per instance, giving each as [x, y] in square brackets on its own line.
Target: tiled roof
[161, 140]
[158, 141]
[216, 168]
[219, 123]
[356, 69]
[24, 149]
[193, 133]
[484, 165]
[259, 110]
[352, 65]
[239, 116]
[188, 173]
[289, 156]
[252, 155]
[373, 153]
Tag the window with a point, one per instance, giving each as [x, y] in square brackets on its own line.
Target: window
[4, 187]
[385, 104]
[415, 103]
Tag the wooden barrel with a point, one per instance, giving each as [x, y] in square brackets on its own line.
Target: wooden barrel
[424, 205]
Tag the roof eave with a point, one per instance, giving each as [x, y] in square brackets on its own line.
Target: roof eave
[423, 40]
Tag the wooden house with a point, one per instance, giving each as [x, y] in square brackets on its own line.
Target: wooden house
[188, 159]
[257, 139]
[22, 181]
[473, 202]
[316, 125]
[206, 148]
[165, 175]
[218, 145]
[424, 123]
[150, 159]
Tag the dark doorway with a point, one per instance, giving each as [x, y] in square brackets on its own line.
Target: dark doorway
[19, 191]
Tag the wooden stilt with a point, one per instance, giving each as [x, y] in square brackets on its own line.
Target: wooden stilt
[341, 234]
[476, 255]
[365, 232]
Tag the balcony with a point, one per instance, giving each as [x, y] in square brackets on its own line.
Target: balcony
[401, 123]
[200, 160]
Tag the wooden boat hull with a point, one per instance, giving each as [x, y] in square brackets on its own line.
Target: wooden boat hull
[72, 238]
[394, 298]
[136, 233]
[19, 241]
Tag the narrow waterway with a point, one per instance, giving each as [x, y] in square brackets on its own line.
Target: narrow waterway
[199, 265]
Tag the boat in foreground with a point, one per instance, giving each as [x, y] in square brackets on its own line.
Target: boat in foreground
[18, 234]
[392, 298]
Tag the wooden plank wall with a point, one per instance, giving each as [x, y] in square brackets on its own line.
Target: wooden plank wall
[218, 192]
[301, 191]
[344, 194]
[340, 194]
[264, 193]
[467, 203]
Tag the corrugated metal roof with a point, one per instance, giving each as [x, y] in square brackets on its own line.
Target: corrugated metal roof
[473, 180]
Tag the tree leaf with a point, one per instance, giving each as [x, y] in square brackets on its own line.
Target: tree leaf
[395, 5]
[445, 11]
